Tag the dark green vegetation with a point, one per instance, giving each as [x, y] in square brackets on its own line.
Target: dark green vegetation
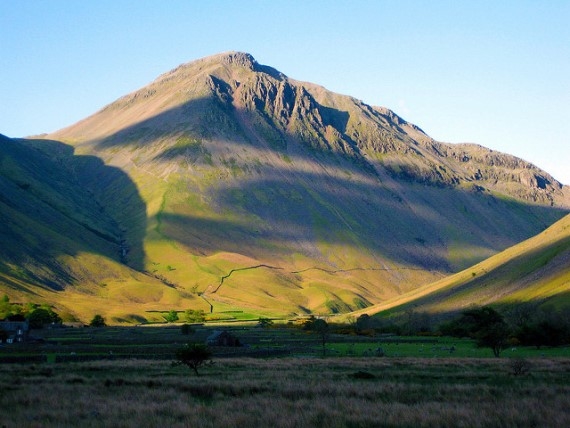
[37, 316]
[226, 191]
[350, 387]
[224, 185]
[194, 356]
[98, 321]
[527, 324]
[161, 342]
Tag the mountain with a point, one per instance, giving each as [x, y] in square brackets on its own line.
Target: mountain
[53, 232]
[535, 270]
[225, 185]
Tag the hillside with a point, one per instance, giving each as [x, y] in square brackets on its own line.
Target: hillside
[535, 270]
[228, 185]
[45, 214]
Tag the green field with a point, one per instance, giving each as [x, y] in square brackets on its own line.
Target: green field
[161, 341]
[126, 376]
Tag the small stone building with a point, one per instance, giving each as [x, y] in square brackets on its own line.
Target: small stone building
[14, 331]
[222, 338]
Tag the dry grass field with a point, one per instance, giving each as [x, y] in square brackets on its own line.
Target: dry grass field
[289, 392]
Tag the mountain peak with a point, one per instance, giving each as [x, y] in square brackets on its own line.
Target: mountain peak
[244, 60]
[240, 59]
[316, 201]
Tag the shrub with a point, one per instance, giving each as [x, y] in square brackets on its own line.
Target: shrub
[370, 332]
[171, 316]
[195, 316]
[362, 375]
[519, 366]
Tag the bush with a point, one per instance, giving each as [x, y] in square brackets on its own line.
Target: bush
[195, 316]
[519, 366]
[171, 316]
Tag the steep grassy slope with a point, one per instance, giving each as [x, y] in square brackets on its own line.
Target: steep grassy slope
[60, 242]
[537, 269]
[44, 215]
[234, 186]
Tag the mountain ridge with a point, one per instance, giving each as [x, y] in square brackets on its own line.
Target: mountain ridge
[234, 165]
[278, 98]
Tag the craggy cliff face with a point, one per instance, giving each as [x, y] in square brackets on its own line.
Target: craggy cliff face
[233, 184]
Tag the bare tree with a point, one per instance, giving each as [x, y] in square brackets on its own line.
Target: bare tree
[321, 327]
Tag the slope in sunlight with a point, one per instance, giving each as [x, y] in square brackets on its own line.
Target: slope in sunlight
[251, 190]
[535, 270]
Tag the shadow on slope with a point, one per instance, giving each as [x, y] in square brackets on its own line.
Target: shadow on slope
[540, 274]
[284, 190]
[55, 205]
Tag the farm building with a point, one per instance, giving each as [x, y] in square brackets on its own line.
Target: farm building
[222, 338]
[13, 331]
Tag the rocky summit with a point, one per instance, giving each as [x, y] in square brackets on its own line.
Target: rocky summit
[225, 185]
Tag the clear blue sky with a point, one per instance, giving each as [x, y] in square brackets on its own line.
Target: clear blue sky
[493, 73]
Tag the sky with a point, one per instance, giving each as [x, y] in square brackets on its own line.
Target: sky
[485, 72]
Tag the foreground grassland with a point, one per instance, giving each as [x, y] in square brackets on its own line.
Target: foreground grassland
[288, 392]
[123, 377]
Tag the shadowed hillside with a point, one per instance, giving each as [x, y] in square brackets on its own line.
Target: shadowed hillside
[536, 270]
[315, 201]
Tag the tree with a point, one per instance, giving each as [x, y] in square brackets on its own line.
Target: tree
[194, 316]
[264, 322]
[494, 336]
[42, 316]
[521, 314]
[363, 322]
[321, 327]
[5, 307]
[416, 322]
[194, 356]
[485, 325]
[542, 333]
[171, 316]
[307, 324]
[98, 321]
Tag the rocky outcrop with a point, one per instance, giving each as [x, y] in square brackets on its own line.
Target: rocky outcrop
[239, 165]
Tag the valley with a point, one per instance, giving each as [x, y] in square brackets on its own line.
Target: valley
[226, 185]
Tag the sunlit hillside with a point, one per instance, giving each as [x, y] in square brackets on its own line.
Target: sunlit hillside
[225, 185]
[536, 270]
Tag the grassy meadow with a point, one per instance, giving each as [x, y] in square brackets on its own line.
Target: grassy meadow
[126, 376]
[287, 392]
